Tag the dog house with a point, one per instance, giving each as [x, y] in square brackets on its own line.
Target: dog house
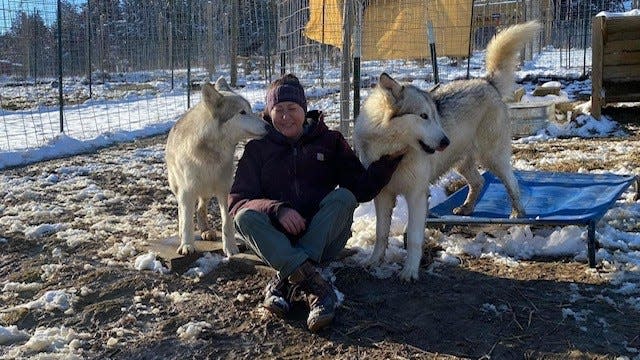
[615, 75]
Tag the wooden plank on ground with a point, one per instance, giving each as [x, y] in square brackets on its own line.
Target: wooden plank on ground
[250, 261]
[546, 90]
[166, 250]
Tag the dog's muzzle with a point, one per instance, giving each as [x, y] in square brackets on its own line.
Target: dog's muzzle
[426, 148]
[444, 142]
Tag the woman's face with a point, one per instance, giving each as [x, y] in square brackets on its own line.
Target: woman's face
[288, 119]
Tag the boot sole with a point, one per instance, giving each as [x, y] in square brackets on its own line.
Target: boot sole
[276, 311]
[320, 322]
[277, 308]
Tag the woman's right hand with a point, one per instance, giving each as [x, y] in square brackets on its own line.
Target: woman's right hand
[398, 154]
[291, 221]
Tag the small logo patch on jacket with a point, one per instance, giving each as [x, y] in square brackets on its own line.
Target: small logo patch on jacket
[320, 156]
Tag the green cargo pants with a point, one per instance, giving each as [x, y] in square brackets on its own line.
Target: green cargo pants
[325, 236]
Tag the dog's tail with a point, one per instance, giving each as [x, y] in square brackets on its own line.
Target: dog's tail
[502, 54]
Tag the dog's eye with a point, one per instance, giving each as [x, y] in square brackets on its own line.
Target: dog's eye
[424, 116]
[242, 112]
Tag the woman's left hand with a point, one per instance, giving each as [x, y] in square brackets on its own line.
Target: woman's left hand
[292, 221]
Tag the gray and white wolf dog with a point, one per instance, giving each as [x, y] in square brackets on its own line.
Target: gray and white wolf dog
[199, 155]
[456, 125]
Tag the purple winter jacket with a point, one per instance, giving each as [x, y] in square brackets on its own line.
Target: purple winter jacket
[274, 172]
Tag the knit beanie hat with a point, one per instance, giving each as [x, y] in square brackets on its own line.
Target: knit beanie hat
[286, 88]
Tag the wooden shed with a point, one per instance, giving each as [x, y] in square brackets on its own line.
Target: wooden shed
[615, 75]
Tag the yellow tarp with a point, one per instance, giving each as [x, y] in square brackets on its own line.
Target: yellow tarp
[397, 29]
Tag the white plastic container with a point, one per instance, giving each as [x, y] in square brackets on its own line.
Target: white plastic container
[528, 118]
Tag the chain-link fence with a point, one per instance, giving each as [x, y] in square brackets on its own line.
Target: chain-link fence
[90, 67]
[395, 29]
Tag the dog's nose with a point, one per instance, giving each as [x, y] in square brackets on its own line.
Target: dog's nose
[444, 142]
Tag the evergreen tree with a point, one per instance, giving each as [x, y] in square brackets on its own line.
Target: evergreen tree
[32, 48]
[74, 39]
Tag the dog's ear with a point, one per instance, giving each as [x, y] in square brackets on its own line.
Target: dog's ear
[389, 84]
[221, 85]
[210, 95]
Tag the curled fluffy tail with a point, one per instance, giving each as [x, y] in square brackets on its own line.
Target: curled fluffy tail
[502, 54]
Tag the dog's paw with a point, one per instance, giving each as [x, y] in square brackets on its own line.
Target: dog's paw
[408, 274]
[515, 214]
[186, 249]
[208, 235]
[463, 210]
[230, 248]
[372, 262]
[371, 265]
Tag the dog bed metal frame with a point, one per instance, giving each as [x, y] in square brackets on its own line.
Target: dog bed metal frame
[549, 198]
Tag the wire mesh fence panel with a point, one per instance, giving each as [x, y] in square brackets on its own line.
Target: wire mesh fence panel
[410, 30]
[569, 34]
[396, 36]
[391, 31]
[105, 56]
[27, 62]
[394, 32]
[127, 65]
[566, 36]
[310, 38]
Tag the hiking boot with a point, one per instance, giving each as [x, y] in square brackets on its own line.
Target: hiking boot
[276, 297]
[318, 294]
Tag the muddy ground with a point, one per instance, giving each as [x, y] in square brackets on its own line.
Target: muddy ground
[447, 314]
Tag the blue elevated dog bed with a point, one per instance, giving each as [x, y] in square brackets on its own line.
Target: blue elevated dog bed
[549, 198]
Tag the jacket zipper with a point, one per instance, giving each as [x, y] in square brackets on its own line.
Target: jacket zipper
[296, 184]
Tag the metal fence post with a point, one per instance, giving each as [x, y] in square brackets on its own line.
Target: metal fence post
[346, 68]
[471, 38]
[34, 44]
[432, 50]
[60, 97]
[585, 30]
[89, 74]
[233, 49]
[267, 44]
[323, 46]
[282, 45]
[357, 53]
[189, 27]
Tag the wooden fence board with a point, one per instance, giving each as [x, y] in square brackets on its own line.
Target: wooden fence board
[596, 68]
[622, 25]
[621, 72]
[620, 45]
[621, 58]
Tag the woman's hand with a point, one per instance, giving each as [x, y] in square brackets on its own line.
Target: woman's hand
[398, 154]
[291, 221]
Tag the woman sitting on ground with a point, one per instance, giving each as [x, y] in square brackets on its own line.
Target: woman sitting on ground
[293, 198]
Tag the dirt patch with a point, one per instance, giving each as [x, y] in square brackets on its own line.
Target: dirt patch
[483, 308]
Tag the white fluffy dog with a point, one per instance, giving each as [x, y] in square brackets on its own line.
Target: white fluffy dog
[199, 156]
[457, 125]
